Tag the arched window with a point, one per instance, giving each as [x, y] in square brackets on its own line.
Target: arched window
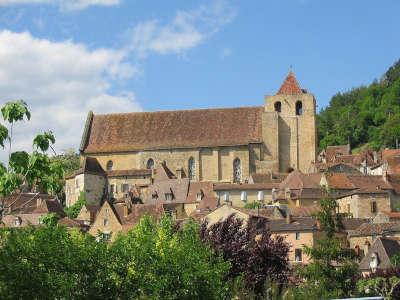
[192, 168]
[299, 108]
[278, 106]
[150, 164]
[109, 165]
[237, 170]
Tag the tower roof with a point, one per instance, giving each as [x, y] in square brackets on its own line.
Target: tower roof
[290, 86]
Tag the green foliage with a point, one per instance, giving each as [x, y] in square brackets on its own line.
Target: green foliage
[332, 270]
[52, 263]
[395, 260]
[69, 160]
[378, 286]
[73, 211]
[15, 111]
[252, 205]
[28, 171]
[159, 262]
[365, 115]
[51, 219]
[44, 141]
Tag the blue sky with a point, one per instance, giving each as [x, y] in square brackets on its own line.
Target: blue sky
[67, 57]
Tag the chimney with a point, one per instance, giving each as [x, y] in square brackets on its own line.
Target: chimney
[39, 202]
[288, 218]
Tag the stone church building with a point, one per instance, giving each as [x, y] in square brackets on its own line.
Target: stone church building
[220, 145]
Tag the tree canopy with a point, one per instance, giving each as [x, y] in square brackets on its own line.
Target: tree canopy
[367, 115]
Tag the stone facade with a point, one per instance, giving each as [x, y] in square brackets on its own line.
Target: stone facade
[283, 138]
[92, 185]
[365, 205]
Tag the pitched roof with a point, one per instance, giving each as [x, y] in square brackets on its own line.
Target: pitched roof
[369, 229]
[296, 224]
[336, 151]
[298, 180]
[172, 129]
[195, 187]
[132, 172]
[25, 202]
[24, 219]
[267, 177]
[244, 186]
[290, 86]
[304, 211]
[155, 210]
[369, 183]
[177, 187]
[90, 165]
[339, 181]
[384, 248]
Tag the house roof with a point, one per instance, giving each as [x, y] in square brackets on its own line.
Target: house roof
[155, 210]
[267, 177]
[370, 229]
[384, 248]
[339, 181]
[332, 152]
[244, 186]
[25, 219]
[304, 211]
[195, 187]
[290, 86]
[28, 203]
[369, 183]
[132, 172]
[178, 187]
[296, 224]
[172, 129]
[90, 165]
[298, 180]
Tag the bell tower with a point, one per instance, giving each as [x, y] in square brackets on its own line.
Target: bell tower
[289, 130]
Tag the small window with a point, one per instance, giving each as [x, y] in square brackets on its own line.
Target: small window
[192, 168]
[299, 108]
[150, 164]
[374, 208]
[154, 195]
[125, 188]
[243, 196]
[106, 236]
[298, 255]
[112, 189]
[297, 236]
[226, 196]
[105, 222]
[168, 196]
[109, 165]
[199, 195]
[237, 170]
[17, 221]
[278, 106]
[260, 196]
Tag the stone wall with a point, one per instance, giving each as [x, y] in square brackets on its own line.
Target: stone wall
[360, 205]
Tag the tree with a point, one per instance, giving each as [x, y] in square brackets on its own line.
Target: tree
[253, 205]
[73, 211]
[254, 255]
[159, 261]
[332, 270]
[385, 283]
[53, 263]
[28, 171]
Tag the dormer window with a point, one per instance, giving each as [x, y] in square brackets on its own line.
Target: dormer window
[278, 106]
[169, 196]
[299, 108]
[199, 195]
[17, 221]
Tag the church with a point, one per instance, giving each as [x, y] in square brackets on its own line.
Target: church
[219, 145]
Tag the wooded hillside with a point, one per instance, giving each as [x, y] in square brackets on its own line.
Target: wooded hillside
[364, 116]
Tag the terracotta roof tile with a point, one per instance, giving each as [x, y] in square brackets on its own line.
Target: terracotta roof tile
[290, 86]
[336, 151]
[132, 172]
[339, 181]
[369, 229]
[296, 224]
[173, 129]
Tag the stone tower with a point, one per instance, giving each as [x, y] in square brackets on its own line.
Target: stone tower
[289, 127]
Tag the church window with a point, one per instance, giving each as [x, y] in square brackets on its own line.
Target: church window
[150, 164]
[109, 165]
[278, 106]
[299, 108]
[237, 170]
[192, 168]
[373, 207]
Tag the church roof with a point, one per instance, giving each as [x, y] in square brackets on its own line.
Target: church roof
[290, 86]
[172, 129]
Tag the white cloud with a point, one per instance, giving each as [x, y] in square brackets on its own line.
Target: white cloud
[187, 30]
[63, 4]
[61, 82]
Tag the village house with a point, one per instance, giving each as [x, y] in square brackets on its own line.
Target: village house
[23, 209]
[379, 255]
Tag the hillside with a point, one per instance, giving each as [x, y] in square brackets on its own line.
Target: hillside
[364, 116]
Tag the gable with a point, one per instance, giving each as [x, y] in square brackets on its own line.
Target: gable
[172, 129]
